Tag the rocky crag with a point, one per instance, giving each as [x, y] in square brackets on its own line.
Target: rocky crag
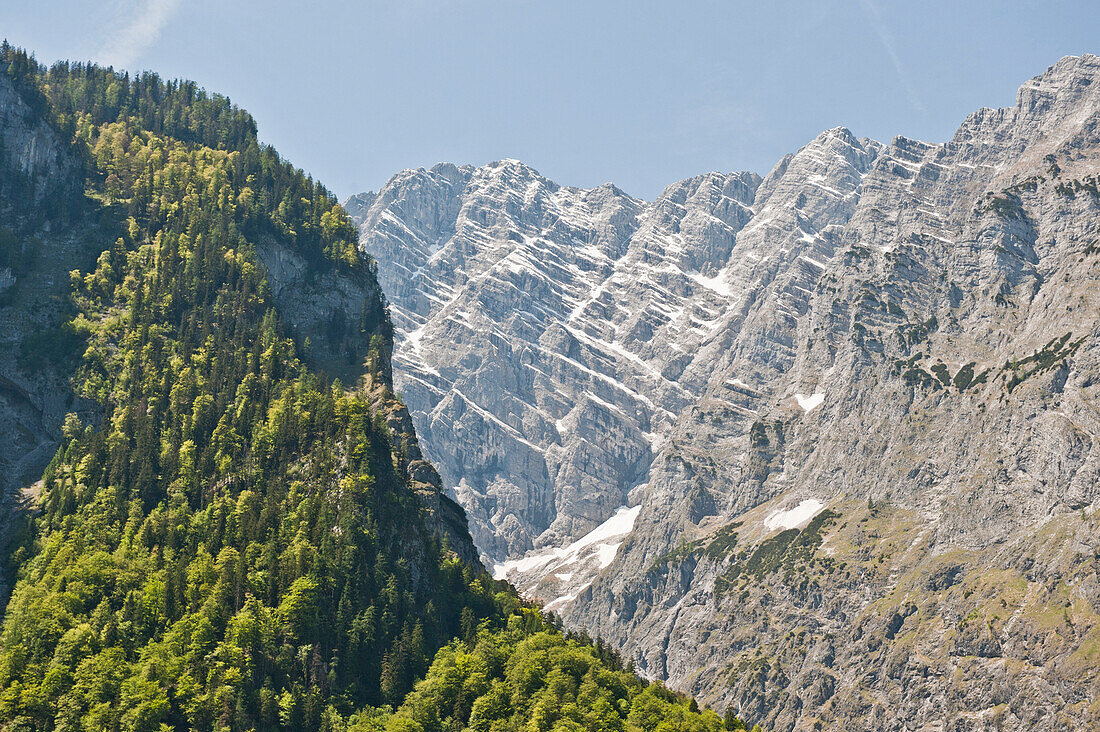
[544, 332]
[40, 194]
[822, 447]
[50, 226]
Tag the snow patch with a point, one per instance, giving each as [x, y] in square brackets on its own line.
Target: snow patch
[717, 283]
[601, 543]
[794, 517]
[606, 553]
[559, 602]
[809, 403]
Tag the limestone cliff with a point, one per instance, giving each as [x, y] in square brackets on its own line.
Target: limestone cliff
[822, 446]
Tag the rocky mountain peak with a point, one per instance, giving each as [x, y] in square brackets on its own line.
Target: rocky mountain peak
[801, 424]
[1051, 111]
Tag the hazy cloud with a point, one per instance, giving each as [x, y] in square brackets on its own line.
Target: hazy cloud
[888, 43]
[137, 33]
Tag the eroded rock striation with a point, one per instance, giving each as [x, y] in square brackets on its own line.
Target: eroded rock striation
[541, 330]
[853, 408]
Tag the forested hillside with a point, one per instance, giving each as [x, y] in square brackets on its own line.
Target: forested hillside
[229, 538]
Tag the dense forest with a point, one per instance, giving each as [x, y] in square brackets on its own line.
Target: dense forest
[232, 543]
[529, 676]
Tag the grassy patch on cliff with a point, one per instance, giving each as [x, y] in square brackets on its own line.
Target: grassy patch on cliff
[793, 552]
[717, 546]
[1053, 354]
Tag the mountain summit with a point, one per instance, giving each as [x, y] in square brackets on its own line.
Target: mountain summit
[822, 446]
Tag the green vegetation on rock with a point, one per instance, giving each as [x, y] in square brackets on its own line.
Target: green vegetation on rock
[1051, 355]
[233, 541]
[791, 552]
[232, 544]
[529, 676]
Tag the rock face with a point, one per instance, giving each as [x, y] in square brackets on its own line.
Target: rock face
[543, 332]
[39, 178]
[29, 147]
[859, 398]
[931, 379]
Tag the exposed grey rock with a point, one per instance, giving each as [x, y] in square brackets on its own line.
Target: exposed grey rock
[975, 252]
[549, 403]
[336, 314]
[859, 396]
[36, 169]
[29, 147]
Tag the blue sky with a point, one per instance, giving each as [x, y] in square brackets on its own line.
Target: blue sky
[635, 92]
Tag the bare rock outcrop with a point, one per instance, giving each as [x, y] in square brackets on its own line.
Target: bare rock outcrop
[823, 446]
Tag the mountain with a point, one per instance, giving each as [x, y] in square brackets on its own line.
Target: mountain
[38, 184]
[217, 498]
[822, 446]
[216, 511]
[544, 334]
